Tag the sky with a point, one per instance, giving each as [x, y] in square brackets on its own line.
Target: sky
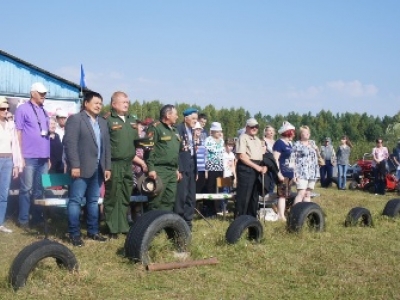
[272, 57]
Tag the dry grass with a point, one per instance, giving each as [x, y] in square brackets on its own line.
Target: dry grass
[340, 263]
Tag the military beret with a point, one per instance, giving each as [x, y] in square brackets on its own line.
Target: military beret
[190, 111]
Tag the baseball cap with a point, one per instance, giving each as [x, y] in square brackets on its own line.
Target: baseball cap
[3, 102]
[61, 113]
[38, 87]
[251, 122]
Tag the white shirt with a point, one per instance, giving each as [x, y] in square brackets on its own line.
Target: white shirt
[60, 131]
[229, 159]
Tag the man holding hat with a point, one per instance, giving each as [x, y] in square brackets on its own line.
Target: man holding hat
[32, 124]
[163, 158]
[249, 151]
[186, 192]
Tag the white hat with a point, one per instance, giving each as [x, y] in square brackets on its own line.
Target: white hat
[61, 113]
[38, 87]
[251, 122]
[285, 127]
[216, 126]
[197, 126]
[3, 102]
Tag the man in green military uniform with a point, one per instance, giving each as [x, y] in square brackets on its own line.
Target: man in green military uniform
[163, 159]
[122, 128]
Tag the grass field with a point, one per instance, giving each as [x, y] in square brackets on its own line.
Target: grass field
[339, 263]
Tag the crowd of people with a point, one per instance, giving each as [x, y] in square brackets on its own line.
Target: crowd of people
[100, 151]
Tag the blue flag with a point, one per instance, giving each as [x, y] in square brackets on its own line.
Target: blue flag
[82, 82]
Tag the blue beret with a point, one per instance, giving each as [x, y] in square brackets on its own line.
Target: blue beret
[190, 111]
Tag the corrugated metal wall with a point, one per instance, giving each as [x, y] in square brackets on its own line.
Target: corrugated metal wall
[16, 80]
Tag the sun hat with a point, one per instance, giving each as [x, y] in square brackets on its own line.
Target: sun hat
[251, 122]
[216, 126]
[38, 87]
[197, 126]
[285, 127]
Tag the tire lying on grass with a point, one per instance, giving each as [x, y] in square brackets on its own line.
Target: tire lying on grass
[241, 224]
[392, 208]
[127, 246]
[307, 214]
[358, 216]
[142, 233]
[30, 256]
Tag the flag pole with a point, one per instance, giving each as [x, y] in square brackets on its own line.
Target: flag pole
[82, 84]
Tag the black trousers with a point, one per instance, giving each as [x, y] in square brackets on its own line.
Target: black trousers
[185, 202]
[247, 190]
[201, 183]
[211, 207]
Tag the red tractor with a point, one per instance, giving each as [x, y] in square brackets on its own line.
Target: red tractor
[364, 178]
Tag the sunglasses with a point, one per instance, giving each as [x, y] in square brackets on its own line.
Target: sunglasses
[252, 127]
[3, 108]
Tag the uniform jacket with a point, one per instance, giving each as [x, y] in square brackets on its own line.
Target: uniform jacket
[80, 145]
[185, 156]
[122, 135]
[166, 146]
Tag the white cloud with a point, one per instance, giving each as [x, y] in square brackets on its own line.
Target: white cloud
[352, 88]
[346, 89]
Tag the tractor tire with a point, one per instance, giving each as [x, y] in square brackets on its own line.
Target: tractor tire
[242, 223]
[144, 230]
[358, 216]
[353, 185]
[306, 213]
[28, 258]
[392, 208]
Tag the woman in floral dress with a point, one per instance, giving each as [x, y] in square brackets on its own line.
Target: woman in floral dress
[214, 164]
[306, 169]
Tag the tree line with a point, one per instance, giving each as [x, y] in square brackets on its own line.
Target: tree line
[362, 129]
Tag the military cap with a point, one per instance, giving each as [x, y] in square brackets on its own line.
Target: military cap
[190, 111]
[151, 187]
